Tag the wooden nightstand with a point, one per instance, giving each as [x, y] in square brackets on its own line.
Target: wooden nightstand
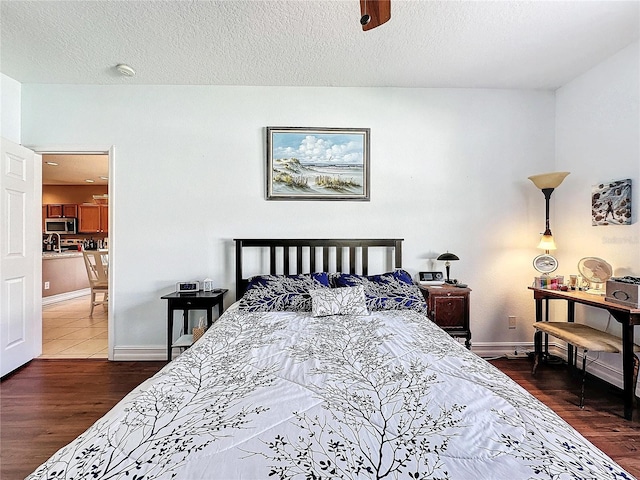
[186, 302]
[448, 307]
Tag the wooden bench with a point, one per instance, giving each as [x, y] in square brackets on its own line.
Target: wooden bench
[582, 336]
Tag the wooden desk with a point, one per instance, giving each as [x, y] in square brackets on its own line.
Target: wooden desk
[191, 301]
[627, 316]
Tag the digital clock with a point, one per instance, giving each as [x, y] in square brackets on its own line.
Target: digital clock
[187, 287]
[430, 278]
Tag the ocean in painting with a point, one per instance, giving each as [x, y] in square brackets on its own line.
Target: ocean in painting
[291, 177]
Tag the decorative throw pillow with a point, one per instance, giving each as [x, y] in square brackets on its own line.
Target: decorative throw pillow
[388, 291]
[272, 293]
[338, 301]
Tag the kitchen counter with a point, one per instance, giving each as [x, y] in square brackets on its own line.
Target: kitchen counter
[69, 254]
[63, 273]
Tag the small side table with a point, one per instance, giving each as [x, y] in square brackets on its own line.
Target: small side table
[448, 307]
[190, 301]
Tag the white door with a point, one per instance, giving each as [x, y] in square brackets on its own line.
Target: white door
[20, 256]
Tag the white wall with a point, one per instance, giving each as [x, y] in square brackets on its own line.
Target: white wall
[598, 140]
[449, 171]
[10, 91]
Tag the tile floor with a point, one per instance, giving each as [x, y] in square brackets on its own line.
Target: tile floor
[69, 332]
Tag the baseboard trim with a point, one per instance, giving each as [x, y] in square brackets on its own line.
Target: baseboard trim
[61, 297]
[501, 349]
[134, 353]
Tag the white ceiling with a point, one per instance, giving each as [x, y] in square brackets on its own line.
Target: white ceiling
[499, 44]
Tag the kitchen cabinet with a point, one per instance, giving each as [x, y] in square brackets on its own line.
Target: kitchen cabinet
[67, 210]
[93, 218]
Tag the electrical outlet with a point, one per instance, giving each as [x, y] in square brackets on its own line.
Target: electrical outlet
[512, 321]
[46, 285]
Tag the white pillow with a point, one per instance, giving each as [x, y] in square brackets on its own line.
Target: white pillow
[338, 301]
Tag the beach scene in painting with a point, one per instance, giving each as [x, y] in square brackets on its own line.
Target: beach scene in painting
[316, 163]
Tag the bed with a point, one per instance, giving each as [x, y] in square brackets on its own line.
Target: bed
[323, 370]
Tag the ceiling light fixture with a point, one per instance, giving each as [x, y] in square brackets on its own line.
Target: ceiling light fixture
[125, 70]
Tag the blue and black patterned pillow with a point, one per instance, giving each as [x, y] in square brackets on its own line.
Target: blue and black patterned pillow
[290, 293]
[388, 291]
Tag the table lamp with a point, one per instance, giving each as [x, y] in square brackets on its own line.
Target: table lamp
[447, 258]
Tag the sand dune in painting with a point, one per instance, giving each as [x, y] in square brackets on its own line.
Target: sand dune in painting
[290, 176]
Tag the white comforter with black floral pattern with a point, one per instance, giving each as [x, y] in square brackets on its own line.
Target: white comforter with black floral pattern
[289, 395]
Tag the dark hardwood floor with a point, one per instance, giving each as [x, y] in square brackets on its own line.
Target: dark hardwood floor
[46, 404]
[601, 421]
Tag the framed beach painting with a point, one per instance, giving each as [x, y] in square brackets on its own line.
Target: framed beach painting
[317, 163]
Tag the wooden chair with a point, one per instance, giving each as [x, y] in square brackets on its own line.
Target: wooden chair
[97, 263]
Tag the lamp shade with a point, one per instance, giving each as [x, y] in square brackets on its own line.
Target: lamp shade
[548, 180]
[547, 243]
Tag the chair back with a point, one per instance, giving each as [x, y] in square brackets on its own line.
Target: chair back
[97, 263]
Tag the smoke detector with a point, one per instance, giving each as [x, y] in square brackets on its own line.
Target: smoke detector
[126, 70]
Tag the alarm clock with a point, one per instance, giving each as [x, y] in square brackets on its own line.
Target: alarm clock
[430, 278]
[188, 287]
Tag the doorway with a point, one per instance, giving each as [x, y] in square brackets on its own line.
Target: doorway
[78, 183]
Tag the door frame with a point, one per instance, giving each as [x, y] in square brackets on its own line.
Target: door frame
[86, 150]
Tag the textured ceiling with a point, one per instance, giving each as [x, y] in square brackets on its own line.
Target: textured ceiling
[501, 44]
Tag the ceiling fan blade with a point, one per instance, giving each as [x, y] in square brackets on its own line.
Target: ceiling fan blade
[376, 11]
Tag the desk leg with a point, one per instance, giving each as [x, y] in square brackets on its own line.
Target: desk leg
[571, 317]
[546, 335]
[628, 362]
[628, 368]
[537, 341]
[544, 354]
[169, 330]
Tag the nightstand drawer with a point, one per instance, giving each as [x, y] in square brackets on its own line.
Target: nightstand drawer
[449, 311]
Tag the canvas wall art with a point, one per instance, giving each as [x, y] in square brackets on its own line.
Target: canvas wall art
[611, 203]
[317, 163]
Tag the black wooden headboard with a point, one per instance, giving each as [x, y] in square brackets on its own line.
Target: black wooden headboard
[307, 251]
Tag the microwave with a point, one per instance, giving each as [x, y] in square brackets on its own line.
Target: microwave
[60, 225]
